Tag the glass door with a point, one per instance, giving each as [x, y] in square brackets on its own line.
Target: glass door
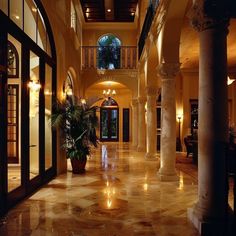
[109, 124]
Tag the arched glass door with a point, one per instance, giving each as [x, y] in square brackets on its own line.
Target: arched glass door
[27, 87]
[109, 120]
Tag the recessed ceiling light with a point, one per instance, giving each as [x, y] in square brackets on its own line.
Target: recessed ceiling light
[108, 10]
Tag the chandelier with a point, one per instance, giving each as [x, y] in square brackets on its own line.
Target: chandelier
[107, 93]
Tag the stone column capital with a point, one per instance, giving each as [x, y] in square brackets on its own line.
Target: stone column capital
[168, 70]
[134, 102]
[142, 100]
[202, 17]
[151, 91]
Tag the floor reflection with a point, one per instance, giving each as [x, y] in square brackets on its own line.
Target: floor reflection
[118, 195]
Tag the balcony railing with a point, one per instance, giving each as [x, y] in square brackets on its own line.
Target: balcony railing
[109, 57]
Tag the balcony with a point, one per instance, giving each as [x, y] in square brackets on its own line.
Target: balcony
[109, 57]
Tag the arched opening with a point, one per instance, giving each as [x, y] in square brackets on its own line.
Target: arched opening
[68, 88]
[108, 52]
[109, 120]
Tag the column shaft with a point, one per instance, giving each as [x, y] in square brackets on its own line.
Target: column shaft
[210, 211]
[151, 123]
[141, 125]
[167, 170]
[135, 123]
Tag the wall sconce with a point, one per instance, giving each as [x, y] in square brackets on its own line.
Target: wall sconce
[178, 144]
[83, 101]
[34, 85]
[230, 81]
[67, 91]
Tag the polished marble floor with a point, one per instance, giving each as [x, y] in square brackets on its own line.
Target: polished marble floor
[118, 195]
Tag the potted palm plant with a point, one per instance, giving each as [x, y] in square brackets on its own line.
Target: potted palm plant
[77, 122]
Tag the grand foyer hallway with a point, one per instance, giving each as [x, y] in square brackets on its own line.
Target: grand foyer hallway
[119, 195]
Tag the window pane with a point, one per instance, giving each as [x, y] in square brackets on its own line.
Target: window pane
[16, 12]
[13, 121]
[41, 33]
[114, 123]
[4, 6]
[30, 16]
[48, 109]
[104, 118]
[34, 88]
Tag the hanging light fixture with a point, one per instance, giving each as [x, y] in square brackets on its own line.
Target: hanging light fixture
[109, 93]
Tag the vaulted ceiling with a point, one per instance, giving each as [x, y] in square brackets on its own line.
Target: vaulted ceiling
[109, 10]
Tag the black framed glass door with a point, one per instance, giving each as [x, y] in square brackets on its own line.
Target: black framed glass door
[109, 124]
[27, 144]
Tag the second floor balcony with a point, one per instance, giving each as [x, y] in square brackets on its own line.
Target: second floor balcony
[109, 57]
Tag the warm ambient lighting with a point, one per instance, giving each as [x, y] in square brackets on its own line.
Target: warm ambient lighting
[230, 81]
[132, 13]
[109, 92]
[69, 92]
[17, 17]
[108, 10]
[34, 9]
[83, 101]
[34, 85]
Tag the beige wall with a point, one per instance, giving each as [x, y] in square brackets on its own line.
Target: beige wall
[127, 37]
[68, 54]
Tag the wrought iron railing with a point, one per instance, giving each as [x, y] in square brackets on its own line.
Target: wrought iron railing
[147, 25]
[109, 57]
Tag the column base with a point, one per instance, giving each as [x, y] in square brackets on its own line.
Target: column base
[151, 156]
[140, 149]
[216, 227]
[167, 177]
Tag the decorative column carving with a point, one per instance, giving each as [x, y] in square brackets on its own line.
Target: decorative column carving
[135, 123]
[141, 124]
[210, 212]
[167, 72]
[151, 123]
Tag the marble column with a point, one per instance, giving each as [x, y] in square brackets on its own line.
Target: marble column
[167, 72]
[210, 212]
[141, 125]
[151, 148]
[135, 123]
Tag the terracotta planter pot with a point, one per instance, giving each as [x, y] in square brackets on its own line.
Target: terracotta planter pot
[78, 166]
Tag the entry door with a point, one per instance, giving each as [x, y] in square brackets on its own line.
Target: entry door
[109, 124]
[126, 125]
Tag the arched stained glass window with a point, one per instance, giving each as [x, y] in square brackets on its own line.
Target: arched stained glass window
[109, 102]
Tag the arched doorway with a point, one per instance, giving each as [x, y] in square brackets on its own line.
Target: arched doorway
[109, 120]
[27, 90]
[109, 52]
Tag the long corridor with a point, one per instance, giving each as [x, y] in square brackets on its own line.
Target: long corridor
[118, 195]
